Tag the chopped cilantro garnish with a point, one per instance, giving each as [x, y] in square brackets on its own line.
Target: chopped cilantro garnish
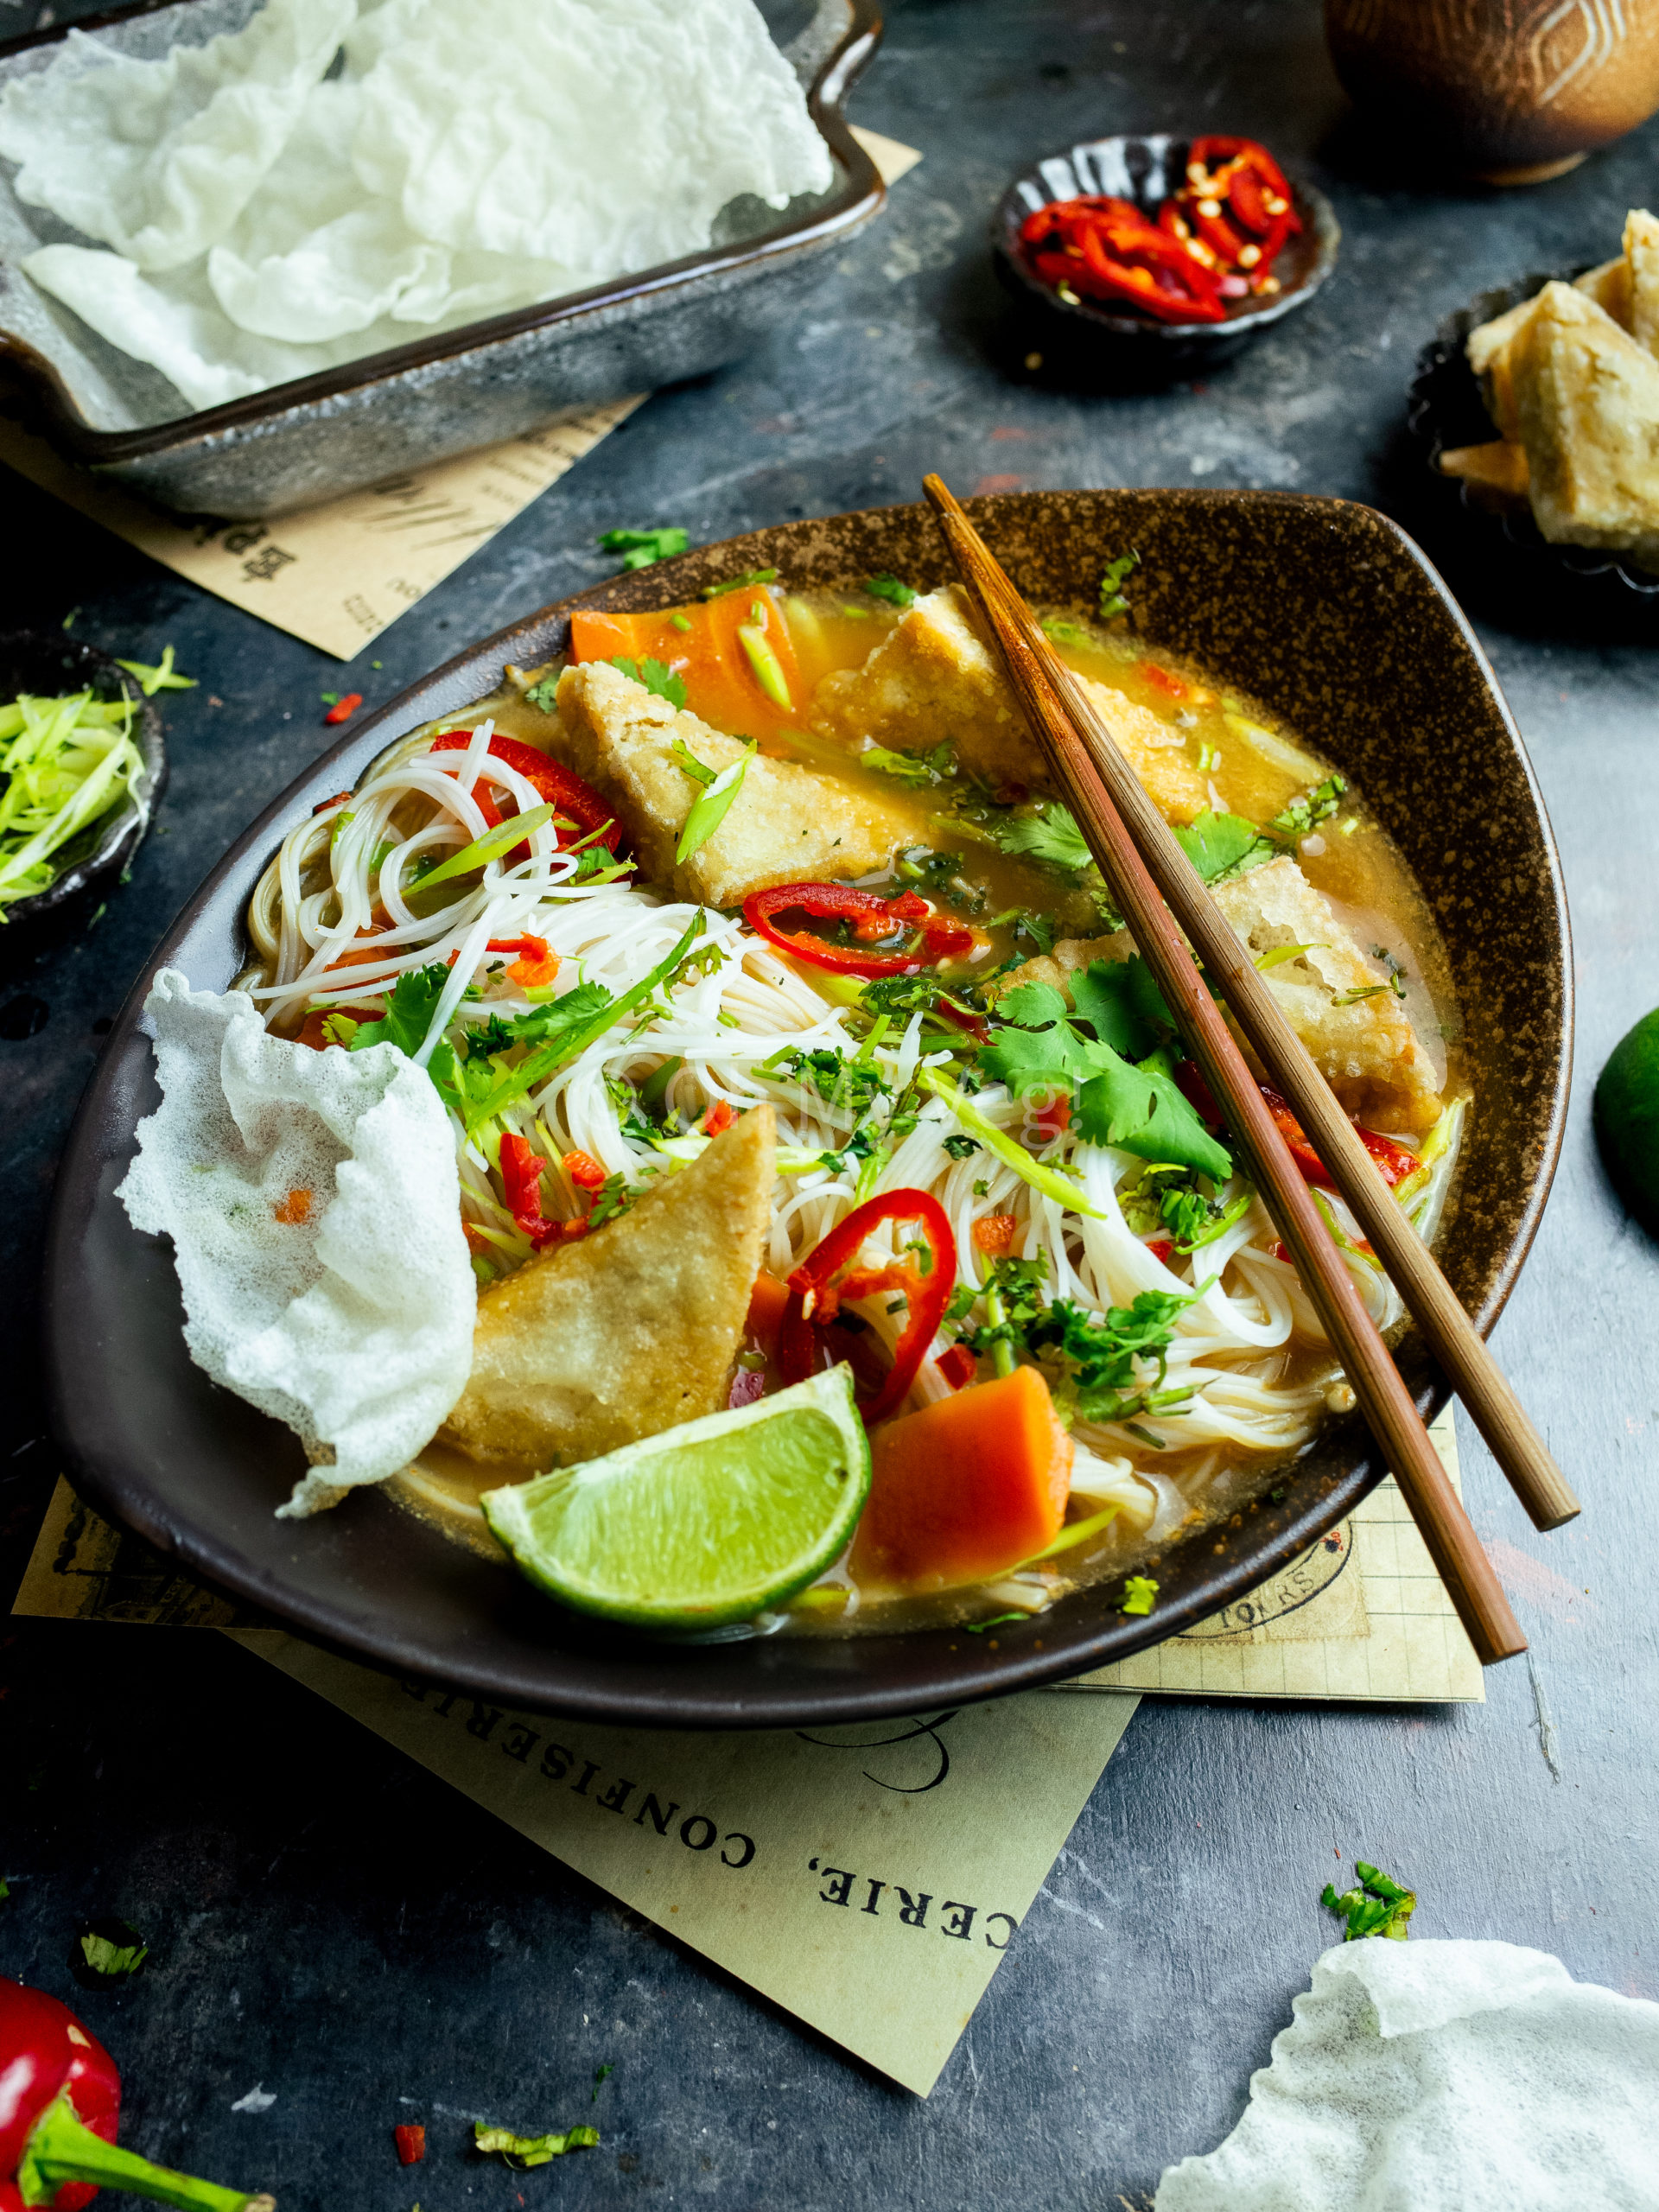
[911, 767]
[1112, 601]
[524, 2151]
[1376, 1906]
[1063, 633]
[961, 1148]
[1168, 1198]
[546, 695]
[741, 583]
[1140, 1594]
[1104, 1356]
[640, 548]
[656, 677]
[1300, 815]
[890, 589]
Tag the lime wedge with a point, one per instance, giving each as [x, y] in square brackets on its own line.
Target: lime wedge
[1627, 1119]
[710, 1521]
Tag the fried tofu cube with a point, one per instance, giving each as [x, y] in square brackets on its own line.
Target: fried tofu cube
[787, 824]
[1642, 259]
[1366, 1048]
[934, 677]
[595, 1345]
[1587, 405]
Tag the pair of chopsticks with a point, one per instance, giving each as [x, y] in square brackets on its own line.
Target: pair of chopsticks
[1163, 899]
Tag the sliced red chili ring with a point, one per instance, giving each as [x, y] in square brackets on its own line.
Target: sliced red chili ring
[868, 915]
[818, 1286]
[1108, 249]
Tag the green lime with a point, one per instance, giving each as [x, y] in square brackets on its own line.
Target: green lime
[710, 1521]
[1627, 1119]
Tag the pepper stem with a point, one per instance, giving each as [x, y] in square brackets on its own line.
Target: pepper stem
[62, 2148]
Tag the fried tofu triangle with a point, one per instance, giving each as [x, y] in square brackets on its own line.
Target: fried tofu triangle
[1587, 399]
[595, 1344]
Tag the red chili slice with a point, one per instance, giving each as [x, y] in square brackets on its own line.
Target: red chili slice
[871, 917]
[522, 1170]
[820, 1284]
[1108, 249]
[561, 787]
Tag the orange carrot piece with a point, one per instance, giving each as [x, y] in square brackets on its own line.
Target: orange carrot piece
[721, 686]
[965, 1489]
[766, 1303]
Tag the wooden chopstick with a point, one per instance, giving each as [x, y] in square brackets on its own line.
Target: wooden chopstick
[1104, 794]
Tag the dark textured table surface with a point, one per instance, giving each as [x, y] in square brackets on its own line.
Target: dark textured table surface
[336, 1925]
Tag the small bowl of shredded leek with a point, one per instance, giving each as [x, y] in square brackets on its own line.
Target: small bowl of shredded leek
[81, 765]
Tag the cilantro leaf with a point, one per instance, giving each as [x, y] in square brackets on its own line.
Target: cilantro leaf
[911, 767]
[111, 1948]
[1121, 1004]
[1376, 1906]
[1112, 601]
[640, 548]
[1141, 1109]
[1140, 1594]
[546, 695]
[1052, 836]
[656, 675]
[890, 589]
[409, 1007]
[557, 1017]
[1221, 846]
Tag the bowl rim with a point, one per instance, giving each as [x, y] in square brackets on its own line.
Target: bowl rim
[1436, 359]
[1013, 207]
[126, 827]
[860, 195]
[939, 1673]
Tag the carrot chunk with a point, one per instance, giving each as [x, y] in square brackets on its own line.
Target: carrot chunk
[965, 1489]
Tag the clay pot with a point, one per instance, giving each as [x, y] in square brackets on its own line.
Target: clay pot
[1510, 90]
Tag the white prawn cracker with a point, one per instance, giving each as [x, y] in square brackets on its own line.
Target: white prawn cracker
[255, 224]
[347, 1314]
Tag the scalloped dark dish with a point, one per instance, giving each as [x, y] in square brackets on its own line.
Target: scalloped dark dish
[1445, 410]
[1318, 589]
[1145, 170]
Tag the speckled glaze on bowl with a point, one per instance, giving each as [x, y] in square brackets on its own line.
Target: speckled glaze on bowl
[1445, 409]
[1146, 170]
[1324, 611]
[322, 435]
[50, 664]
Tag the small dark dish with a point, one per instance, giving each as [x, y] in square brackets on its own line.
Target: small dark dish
[1332, 618]
[1145, 171]
[298, 443]
[49, 666]
[1445, 410]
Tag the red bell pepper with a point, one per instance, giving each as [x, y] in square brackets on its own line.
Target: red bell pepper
[559, 786]
[60, 2104]
[821, 1284]
[871, 917]
[1392, 1162]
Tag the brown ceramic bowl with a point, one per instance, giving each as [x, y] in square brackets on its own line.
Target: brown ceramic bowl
[1324, 611]
[1514, 92]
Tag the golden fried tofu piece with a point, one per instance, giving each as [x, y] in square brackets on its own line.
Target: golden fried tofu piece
[1587, 403]
[1609, 286]
[1642, 259]
[595, 1345]
[934, 677]
[1366, 1050]
[787, 824]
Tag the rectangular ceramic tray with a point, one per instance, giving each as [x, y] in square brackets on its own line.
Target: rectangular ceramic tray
[300, 443]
